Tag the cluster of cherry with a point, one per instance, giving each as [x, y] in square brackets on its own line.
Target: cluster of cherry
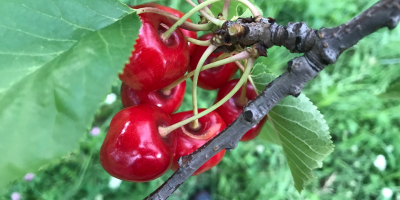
[139, 146]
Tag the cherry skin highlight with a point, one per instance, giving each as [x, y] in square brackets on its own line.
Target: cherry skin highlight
[133, 149]
[230, 110]
[210, 125]
[213, 78]
[169, 101]
[177, 13]
[155, 63]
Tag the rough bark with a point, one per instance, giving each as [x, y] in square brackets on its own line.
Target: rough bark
[320, 47]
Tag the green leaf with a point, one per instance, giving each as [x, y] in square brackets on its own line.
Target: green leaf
[392, 92]
[303, 134]
[261, 76]
[35, 32]
[56, 84]
[296, 125]
[269, 134]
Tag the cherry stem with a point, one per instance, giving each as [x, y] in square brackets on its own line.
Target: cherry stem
[185, 25]
[169, 32]
[203, 58]
[204, 13]
[206, 8]
[239, 56]
[221, 57]
[166, 92]
[199, 42]
[241, 67]
[250, 79]
[225, 9]
[251, 7]
[246, 73]
[242, 101]
[164, 131]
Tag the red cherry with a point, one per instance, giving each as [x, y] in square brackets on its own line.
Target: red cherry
[231, 109]
[155, 63]
[210, 126]
[177, 13]
[213, 78]
[133, 149]
[169, 102]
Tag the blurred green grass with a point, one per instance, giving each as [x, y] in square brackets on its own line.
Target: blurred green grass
[362, 124]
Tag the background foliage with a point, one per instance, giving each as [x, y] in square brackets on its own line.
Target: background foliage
[358, 97]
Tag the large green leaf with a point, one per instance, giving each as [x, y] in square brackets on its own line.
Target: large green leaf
[35, 32]
[297, 125]
[56, 75]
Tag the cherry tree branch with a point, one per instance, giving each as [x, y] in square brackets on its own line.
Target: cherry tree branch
[320, 47]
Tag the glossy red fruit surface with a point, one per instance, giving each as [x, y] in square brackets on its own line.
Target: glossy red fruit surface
[210, 126]
[177, 13]
[213, 78]
[230, 110]
[133, 149]
[156, 63]
[169, 102]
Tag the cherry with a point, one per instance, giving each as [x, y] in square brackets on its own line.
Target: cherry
[133, 149]
[189, 139]
[231, 109]
[155, 63]
[169, 101]
[177, 13]
[213, 78]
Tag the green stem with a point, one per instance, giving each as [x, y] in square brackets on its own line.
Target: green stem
[254, 85]
[242, 101]
[225, 9]
[221, 57]
[249, 78]
[206, 8]
[203, 58]
[185, 25]
[205, 14]
[199, 42]
[169, 32]
[251, 7]
[166, 130]
[239, 56]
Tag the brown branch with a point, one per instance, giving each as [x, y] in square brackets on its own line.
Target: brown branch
[321, 47]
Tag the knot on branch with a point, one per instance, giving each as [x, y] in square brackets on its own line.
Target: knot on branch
[245, 32]
[298, 37]
[248, 115]
[185, 160]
